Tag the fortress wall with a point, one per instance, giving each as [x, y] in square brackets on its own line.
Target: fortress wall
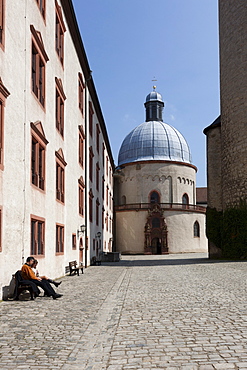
[233, 81]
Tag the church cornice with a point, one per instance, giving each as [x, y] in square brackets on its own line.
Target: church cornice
[157, 161]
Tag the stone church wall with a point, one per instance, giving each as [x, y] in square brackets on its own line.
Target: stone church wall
[214, 168]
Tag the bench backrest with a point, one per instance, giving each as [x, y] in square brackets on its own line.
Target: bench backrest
[18, 277]
[72, 264]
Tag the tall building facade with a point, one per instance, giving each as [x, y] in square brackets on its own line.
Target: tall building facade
[226, 136]
[56, 165]
[155, 189]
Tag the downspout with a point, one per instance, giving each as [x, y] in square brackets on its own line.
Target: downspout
[86, 167]
[24, 142]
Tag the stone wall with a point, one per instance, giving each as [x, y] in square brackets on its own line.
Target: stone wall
[233, 83]
[214, 167]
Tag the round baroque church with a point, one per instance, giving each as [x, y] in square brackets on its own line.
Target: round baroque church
[155, 190]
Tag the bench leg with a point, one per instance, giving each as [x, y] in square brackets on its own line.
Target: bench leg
[31, 294]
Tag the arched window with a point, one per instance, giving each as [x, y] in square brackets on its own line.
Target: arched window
[155, 222]
[123, 199]
[196, 229]
[185, 199]
[154, 197]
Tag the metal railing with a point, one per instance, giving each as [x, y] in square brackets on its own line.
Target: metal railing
[163, 206]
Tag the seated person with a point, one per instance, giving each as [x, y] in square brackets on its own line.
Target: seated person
[28, 274]
[34, 268]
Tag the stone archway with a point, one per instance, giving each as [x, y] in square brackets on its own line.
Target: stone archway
[155, 231]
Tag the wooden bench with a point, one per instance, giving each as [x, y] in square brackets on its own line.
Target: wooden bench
[95, 261]
[74, 269]
[22, 285]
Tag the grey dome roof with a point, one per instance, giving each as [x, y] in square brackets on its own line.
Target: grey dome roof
[154, 140]
[154, 96]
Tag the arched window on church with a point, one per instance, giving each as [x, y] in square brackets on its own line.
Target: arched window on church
[155, 222]
[185, 200]
[123, 200]
[196, 230]
[154, 197]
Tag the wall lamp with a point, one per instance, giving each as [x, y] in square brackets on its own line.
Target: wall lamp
[81, 230]
[98, 235]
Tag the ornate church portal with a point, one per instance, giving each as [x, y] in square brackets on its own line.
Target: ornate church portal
[155, 231]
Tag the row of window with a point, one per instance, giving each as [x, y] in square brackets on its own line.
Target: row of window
[38, 158]
[154, 197]
[39, 143]
[38, 237]
[97, 207]
[39, 58]
[38, 233]
[38, 65]
[105, 220]
[38, 78]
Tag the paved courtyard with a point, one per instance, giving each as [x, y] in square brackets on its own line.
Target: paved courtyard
[145, 312]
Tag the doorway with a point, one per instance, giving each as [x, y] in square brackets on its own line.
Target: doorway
[156, 246]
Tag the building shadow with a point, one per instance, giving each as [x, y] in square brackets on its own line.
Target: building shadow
[170, 260]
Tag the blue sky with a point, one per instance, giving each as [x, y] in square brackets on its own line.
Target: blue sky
[131, 42]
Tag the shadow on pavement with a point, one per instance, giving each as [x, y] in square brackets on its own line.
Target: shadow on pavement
[165, 261]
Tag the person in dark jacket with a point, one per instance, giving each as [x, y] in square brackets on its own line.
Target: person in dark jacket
[19, 282]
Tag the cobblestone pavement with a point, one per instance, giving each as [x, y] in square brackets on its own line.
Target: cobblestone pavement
[145, 312]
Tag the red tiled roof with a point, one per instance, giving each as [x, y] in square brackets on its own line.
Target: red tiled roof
[201, 195]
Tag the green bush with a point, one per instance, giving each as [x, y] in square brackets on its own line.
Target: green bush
[214, 226]
[234, 242]
[228, 230]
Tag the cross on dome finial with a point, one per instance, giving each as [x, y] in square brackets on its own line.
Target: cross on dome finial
[154, 86]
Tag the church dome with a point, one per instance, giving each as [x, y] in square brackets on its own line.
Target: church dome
[154, 96]
[154, 140]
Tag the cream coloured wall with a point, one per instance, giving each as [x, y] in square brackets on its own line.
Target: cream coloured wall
[130, 231]
[180, 226]
[19, 199]
[170, 180]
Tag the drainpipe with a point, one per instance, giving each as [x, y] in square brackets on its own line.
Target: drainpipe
[86, 166]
